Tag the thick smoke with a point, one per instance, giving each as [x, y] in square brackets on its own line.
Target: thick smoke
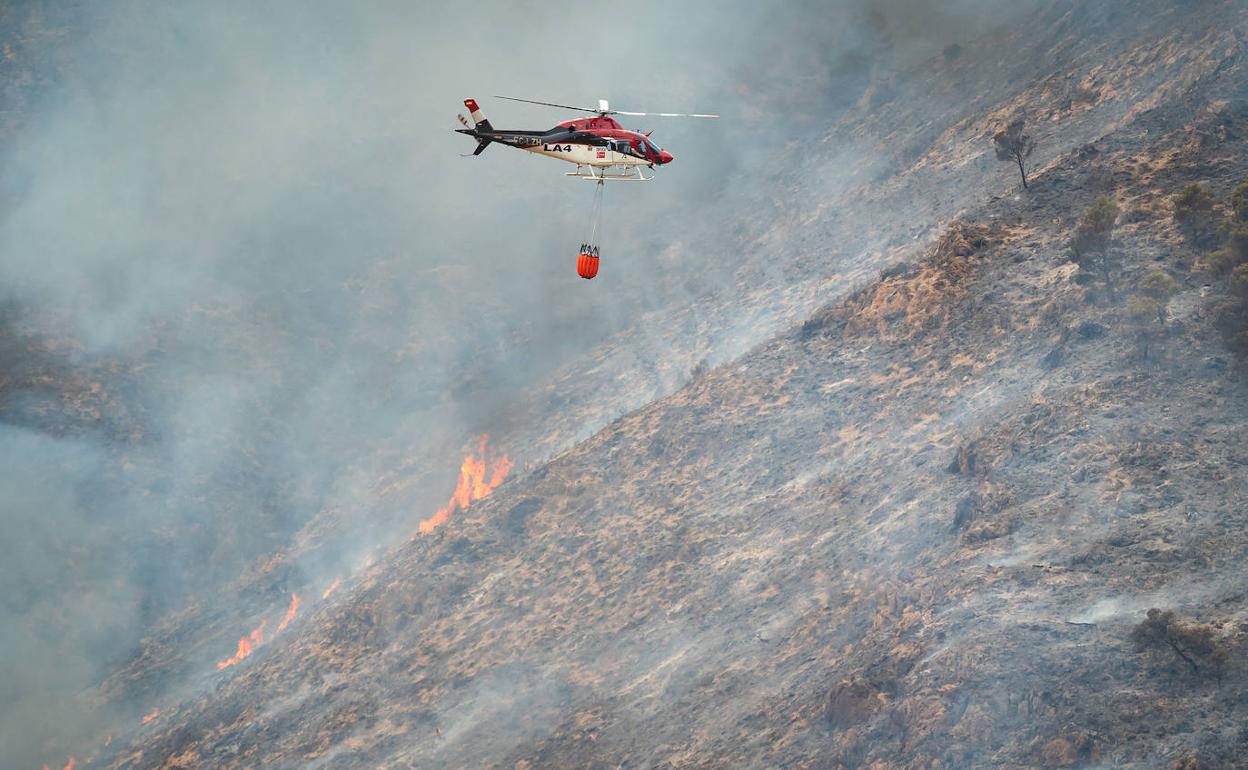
[245, 272]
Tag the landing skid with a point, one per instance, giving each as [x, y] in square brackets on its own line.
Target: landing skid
[629, 174]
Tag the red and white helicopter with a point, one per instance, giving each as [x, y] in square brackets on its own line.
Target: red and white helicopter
[597, 144]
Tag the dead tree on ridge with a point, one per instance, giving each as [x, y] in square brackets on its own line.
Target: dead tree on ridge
[1013, 144]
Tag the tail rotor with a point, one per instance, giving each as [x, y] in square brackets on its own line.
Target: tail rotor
[480, 125]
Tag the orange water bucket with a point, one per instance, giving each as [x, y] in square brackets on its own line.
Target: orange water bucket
[586, 265]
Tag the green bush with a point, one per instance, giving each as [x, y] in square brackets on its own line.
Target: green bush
[1193, 213]
[1235, 231]
[1234, 253]
[1159, 286]
[1231, 262]
[1144, 311]
[1100, 216]
[1238, 282]
[1222, 262]
[1230, 317]
[1147, 312]
[1089, 246]
[1239, 203]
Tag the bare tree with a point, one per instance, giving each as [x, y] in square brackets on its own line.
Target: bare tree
[1013, 144]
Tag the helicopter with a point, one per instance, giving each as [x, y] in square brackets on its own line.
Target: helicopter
[602, 150]
[596, 144]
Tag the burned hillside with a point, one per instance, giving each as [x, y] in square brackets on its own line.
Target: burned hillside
[918, 530]
[912, 485]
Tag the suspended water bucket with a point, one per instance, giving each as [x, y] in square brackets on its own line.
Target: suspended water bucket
[587, 265]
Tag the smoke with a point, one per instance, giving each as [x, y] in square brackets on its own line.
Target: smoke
[246, 273]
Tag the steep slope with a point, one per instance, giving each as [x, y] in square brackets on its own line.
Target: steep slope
[876, 538]
[916, 531]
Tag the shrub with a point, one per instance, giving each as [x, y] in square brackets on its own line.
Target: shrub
[1231, 319]
[1221, 262]
[1100, 216]
[1235, 253]
[1194, 200]
[1094, 228]
[1147, 316]
[1089, 246]
[1234, 230]
[1159, 286]
[1144, 311]
[1193, 213]
[1231, 262]
[1238, 282]
[1194, 643]
[1239, 203]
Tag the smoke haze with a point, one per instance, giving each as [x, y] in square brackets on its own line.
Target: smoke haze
[245, 273]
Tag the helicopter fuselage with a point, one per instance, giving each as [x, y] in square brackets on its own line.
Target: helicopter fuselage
[597, 141]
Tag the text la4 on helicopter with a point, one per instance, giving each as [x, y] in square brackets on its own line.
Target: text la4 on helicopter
[596, 144]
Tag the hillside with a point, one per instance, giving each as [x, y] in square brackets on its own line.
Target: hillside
[895, 495]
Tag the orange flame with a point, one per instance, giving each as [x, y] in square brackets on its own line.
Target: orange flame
[290, 612]
[245, 645]
[332, 587]
[473, 485]
[155, 713]
[68, 765]
[249, 643]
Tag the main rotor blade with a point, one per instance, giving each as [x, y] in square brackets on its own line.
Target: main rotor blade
[611, 112]
[666, 114]
[548, 104]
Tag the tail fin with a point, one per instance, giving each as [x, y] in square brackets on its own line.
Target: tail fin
[477, 116]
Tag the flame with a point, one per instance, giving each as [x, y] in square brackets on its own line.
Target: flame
[332, 587]
[68, 765]
[155, 713]
[290, 612]
[248, 643]
[473, 485]
[245, 645]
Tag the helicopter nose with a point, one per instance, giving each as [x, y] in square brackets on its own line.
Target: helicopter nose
[665, 157]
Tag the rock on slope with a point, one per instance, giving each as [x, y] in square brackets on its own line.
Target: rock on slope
[915, 531]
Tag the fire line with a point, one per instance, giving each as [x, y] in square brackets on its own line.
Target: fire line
[474, 484]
